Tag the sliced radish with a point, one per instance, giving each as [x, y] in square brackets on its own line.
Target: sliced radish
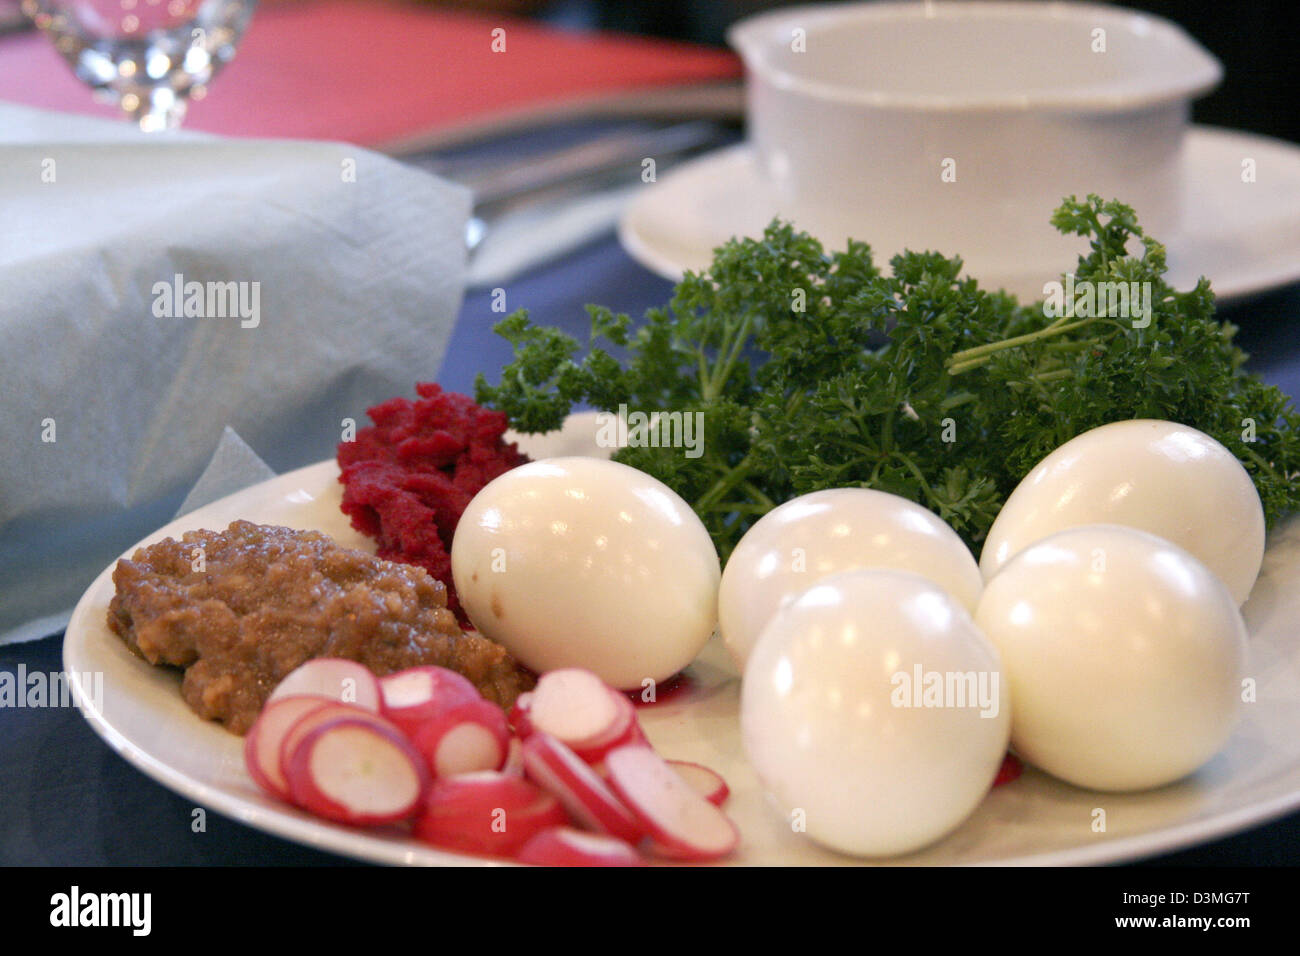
[703, 781]
[580, 710]
[262, 743]
[558, 770]
[334, 677]
[636, 735]
[514, 758]
[626, 730]
[683, 824]
[464, 738]
[487, 812]
[575, 706]
[517, 717]
[565, 846]
[312, 719]
[418, 694]
[359, 772]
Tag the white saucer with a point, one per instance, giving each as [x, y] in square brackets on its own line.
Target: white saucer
[1244, 236]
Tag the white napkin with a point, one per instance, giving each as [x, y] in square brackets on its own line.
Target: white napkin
[339, 273]
[233, 467]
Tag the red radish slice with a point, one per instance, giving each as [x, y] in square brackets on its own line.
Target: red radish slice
[418, 694]
[626, 730]
[262, 744]
[593, 721]
[683, 824]
[517, 717]
[575, 706]
[313, 719]
[356, 771]
[514, 758]
[565, 846]
[488, 812]
[334, 677]
[558, 770]
[468, 737]
[636, 735]
[703, 781]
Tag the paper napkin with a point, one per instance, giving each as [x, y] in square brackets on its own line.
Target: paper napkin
[154, 291]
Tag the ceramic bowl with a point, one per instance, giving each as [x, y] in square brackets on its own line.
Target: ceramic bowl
[960, 126]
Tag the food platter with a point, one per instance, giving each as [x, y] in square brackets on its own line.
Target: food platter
[1034, 820]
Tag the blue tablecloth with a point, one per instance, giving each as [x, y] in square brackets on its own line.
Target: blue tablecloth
[67, 799]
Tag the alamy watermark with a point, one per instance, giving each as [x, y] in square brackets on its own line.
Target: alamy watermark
[25, 688]
[179, 299]
[946, 689]
[133, 911]
[626, 429]
[1085, 299]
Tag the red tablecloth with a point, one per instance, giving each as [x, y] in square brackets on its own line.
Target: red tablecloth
[375, 73]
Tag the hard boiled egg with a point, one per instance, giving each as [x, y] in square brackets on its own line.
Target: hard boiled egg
[809, 537]
[873, 710]
[1124, 656]
[1162, 477]
[581, 562]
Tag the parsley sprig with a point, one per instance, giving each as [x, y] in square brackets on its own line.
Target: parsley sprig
[817, 370]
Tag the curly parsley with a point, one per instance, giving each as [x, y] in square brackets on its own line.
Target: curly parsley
[817, 370]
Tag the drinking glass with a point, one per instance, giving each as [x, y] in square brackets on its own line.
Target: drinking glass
[148, 56]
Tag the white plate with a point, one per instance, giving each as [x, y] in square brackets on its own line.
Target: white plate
[1035, 820]
[1244, 236]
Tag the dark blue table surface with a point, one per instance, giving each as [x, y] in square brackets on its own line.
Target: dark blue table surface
[67, 799]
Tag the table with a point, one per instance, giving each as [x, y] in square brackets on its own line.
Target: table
[67, 799]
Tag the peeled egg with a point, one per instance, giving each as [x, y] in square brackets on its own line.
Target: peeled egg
[1123, 653]
[873, 711]
[814, 535]
[582, 562]
[1162, 477]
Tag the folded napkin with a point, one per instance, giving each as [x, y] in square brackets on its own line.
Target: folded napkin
[233, 467]
[155, 290]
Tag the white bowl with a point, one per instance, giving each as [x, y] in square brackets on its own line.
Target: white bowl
[857, 112]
